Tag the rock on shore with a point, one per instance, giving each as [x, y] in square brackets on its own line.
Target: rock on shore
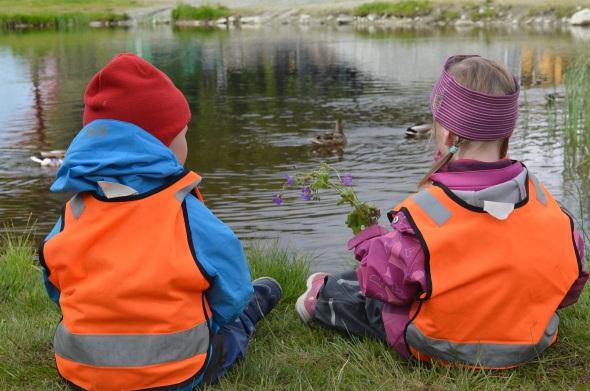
[581, 18]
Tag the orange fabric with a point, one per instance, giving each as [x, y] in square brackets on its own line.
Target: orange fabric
[120, 378]
[126, 267]
[493, 281]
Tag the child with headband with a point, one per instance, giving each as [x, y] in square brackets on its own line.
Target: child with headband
[479, 259]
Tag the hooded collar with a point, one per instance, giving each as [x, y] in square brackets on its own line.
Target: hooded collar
[115, 152]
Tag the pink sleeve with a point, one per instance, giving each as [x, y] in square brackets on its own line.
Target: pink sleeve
[391, 263]
[576, 290]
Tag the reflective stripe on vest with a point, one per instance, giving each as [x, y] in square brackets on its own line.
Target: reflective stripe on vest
[432, 207]
[489, 355]
[130, 350]
[538, 190]
[476, 310]
[77, 205]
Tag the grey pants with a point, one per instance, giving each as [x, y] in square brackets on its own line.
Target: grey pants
[341, 306]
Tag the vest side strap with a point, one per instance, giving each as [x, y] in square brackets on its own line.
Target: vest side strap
[489, 355]
[128, 350]
[77, 205]
[432, 207]
[539, 190]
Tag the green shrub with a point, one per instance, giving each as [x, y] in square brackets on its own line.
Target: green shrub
[404, 8]
[205, 12]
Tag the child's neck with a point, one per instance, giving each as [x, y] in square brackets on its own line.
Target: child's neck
[482, 156]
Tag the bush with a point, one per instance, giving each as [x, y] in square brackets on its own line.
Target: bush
[205, 12]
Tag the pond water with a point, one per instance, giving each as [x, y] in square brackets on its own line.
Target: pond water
[257, 95]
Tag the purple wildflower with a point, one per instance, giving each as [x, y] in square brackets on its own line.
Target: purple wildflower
[306, 193]
[277, 199]
[346, 180]
[290, 180]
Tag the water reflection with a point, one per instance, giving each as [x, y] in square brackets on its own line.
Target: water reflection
[257, 96]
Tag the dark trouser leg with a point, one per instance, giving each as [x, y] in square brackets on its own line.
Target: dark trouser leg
[231, 342]
[341, 306]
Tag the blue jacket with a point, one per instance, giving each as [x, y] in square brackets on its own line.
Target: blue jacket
[126, 154]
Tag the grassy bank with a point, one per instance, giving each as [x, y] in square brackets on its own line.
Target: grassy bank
[444, 10]
[186, 12]
[58, 21]
[284, 355]
[59, 14]
[404, 8]
[64, 6]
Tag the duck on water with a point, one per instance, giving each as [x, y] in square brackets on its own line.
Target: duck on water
[331, 139]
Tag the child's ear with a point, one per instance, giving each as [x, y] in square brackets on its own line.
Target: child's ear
[449, 138]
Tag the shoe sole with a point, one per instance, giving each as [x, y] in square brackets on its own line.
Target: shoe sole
[304, 316]
[273, 280]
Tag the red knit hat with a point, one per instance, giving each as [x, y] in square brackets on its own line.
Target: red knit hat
[131, 89]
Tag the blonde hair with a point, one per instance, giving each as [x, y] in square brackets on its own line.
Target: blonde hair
[481, 75]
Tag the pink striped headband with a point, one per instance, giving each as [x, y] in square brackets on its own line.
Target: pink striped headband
[470, 114]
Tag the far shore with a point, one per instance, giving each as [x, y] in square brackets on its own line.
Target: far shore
[23, 14]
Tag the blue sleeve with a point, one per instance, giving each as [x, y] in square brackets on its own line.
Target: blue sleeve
[220, 254]
[52, 290]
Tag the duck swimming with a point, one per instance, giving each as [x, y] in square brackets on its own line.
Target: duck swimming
[48, 161]
[56, 153]
[419, 131]
[331, 139]
[49, 158]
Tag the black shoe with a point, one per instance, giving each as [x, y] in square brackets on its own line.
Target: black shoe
[267, 293]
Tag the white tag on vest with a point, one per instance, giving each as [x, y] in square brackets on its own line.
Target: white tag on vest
[499, 210]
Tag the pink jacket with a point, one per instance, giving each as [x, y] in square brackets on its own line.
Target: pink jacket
[392, 262]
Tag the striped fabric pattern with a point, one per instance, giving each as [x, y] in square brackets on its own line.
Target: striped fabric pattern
[470, 114]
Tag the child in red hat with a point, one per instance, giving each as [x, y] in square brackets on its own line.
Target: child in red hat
[154, 289]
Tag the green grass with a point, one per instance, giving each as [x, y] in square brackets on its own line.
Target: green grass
[61, 14]
[205, 12]
[552, 9]
[447, 14]
[577, 113]
[404, 8]
[66, 6]
[57, 21]
[486, 12]
[284, 354]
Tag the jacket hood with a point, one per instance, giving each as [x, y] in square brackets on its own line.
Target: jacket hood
[116, 152]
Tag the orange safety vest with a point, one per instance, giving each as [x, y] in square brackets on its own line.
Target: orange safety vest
[493, 286]
[134, 311]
